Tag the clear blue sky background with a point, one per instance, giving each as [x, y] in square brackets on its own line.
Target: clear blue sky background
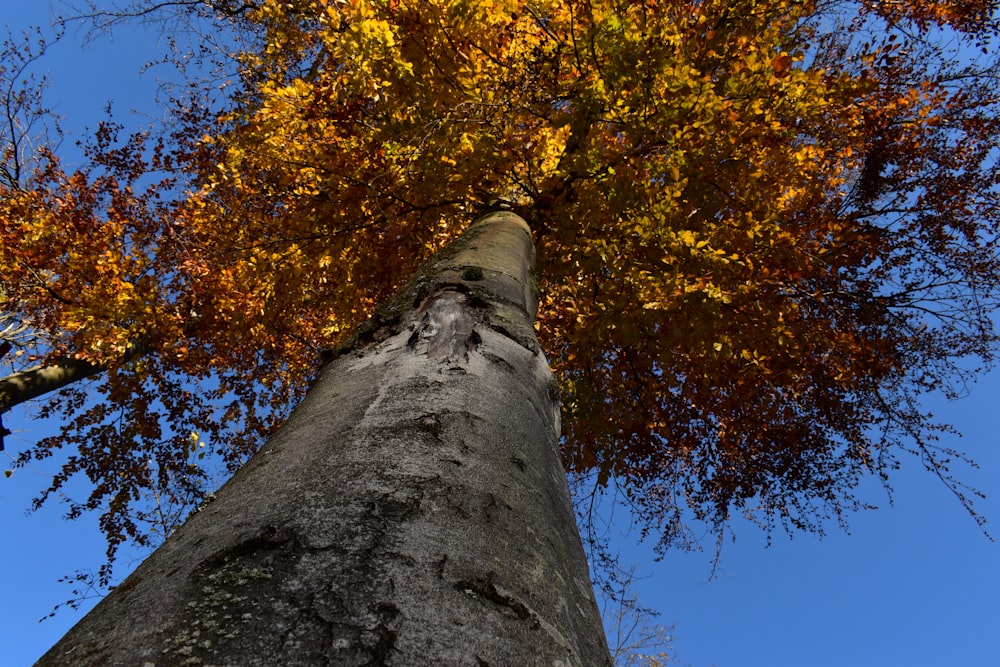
[914, 585]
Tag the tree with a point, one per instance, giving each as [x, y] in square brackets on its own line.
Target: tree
[764, 230]
[425, 518]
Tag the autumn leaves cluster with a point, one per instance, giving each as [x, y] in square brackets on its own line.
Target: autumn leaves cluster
[764, 227]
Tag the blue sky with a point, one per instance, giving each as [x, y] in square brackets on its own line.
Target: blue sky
[913, 585]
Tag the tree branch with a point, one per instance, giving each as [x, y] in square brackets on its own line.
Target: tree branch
[33, 382]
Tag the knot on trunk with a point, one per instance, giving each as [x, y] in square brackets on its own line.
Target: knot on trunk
[445, 327]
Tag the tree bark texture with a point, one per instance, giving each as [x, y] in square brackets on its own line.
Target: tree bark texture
[412, 511]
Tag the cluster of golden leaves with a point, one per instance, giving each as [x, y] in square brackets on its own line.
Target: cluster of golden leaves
[763, 226]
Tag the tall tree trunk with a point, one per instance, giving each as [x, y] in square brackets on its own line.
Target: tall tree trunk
[413, 510]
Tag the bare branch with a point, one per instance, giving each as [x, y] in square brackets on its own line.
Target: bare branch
[44, 378]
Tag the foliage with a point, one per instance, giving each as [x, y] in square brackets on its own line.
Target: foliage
[765, 228]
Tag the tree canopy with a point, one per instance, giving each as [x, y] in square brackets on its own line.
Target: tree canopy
[765, 229]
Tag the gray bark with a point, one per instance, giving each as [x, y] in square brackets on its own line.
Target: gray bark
[412, 511]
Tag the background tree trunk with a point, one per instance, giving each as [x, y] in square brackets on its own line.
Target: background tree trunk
[413, 510]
